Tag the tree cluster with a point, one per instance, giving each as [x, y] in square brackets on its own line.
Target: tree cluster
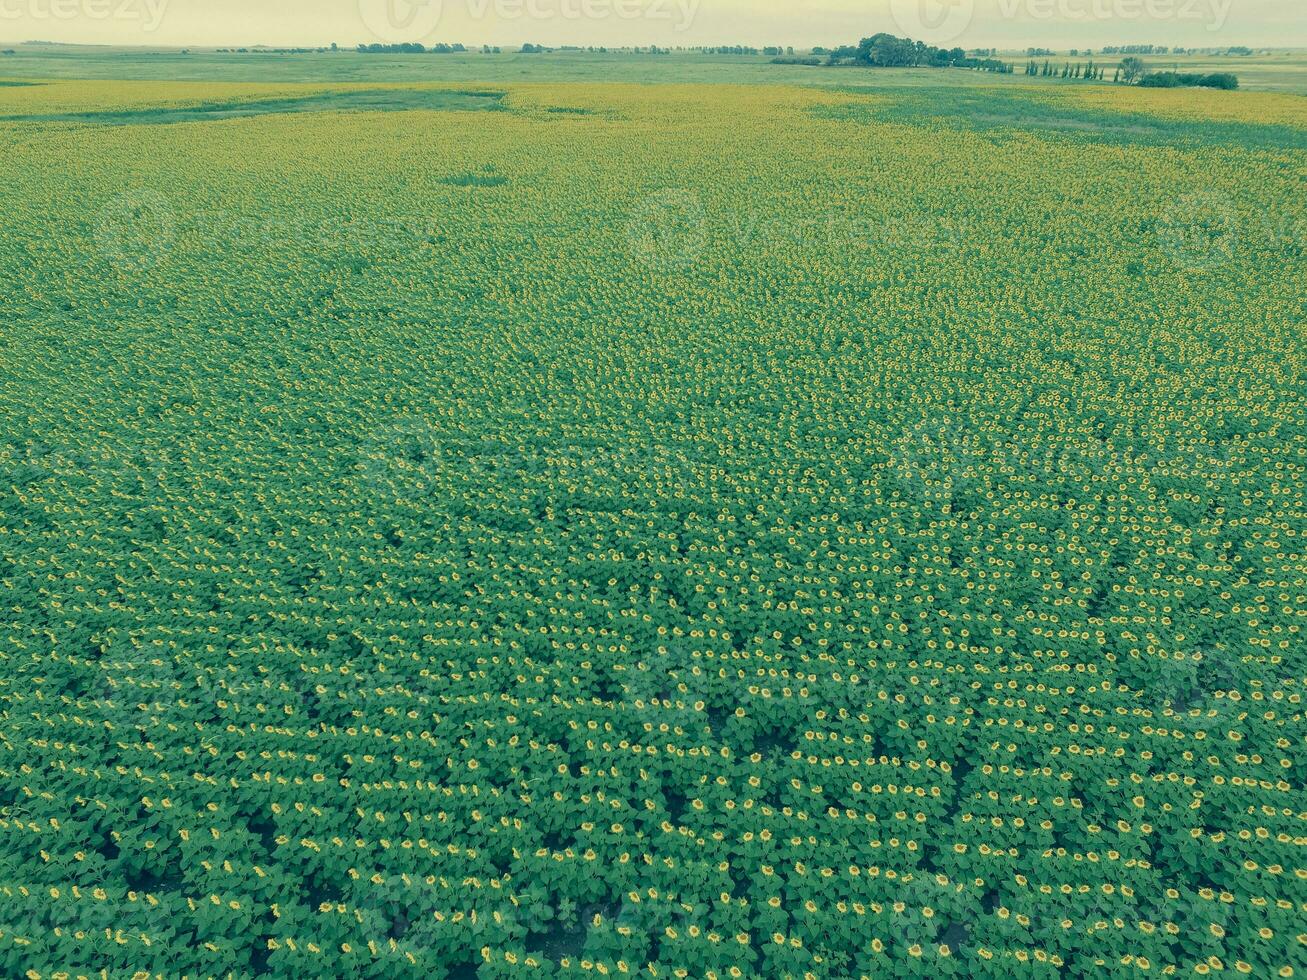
[410, 48]
[1170, 79]
[1089, 73]
[887, 51]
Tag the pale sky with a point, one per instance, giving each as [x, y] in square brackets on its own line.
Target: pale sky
[671, 23]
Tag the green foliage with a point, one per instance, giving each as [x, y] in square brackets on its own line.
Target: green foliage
[1171, 79]
[887, 51]
[716, 531]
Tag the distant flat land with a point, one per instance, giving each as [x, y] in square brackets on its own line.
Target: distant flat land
[1283, 72]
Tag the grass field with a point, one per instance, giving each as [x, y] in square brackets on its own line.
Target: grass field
[546, 526]
[1279, 72]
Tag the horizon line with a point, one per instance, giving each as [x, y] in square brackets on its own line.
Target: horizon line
[475, 47]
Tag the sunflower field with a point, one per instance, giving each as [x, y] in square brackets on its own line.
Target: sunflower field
[674, 531]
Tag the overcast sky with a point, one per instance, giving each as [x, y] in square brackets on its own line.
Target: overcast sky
[969, 23]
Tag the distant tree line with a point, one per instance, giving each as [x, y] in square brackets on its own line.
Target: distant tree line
[1131, 71]
[410, 48]
[262, 50]
[653, 49]
[773, 51]
[1170, 79]
[1140, 49]
[1089, 72]
[1236, 51]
